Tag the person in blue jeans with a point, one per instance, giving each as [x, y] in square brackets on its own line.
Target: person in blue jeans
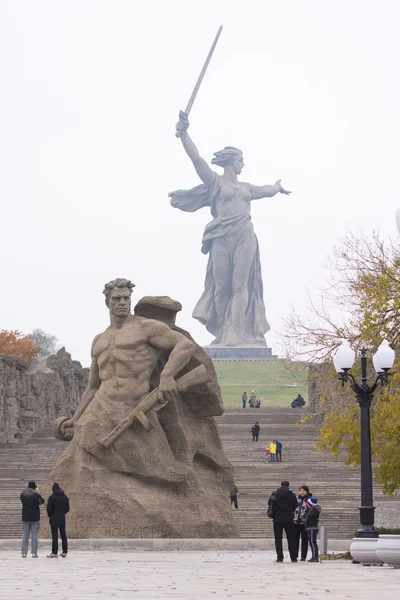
[31, 501]
[278, 451]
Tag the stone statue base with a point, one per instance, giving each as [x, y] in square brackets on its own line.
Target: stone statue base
[110, 504]
[216, 352]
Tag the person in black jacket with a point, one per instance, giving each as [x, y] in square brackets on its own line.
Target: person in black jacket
[57, 508]
[299, 518]
[284, 504]
[31, 500]
[311, 526]
[255, 430]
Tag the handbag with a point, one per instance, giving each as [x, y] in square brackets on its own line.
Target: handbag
[271, 506]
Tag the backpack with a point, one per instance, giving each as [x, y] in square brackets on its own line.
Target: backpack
[271, 506]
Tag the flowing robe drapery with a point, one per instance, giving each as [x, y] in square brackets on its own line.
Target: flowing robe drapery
[237, 233]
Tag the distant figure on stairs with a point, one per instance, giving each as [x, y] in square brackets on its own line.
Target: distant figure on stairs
[298, 402]
[234, 494]
[31, 501]
[244, 399]
[258, 403]
[272, 449]
[252, 401]
[255, 430]
[278, 451]
[267, 454]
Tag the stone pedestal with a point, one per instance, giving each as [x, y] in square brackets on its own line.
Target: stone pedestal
[217, 352]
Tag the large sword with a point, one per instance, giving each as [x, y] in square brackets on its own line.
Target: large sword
[201, 76]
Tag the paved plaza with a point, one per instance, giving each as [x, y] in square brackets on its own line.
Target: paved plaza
[188, 576]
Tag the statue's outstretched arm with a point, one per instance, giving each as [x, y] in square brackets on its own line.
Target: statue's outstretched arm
[206, 174]
[267, 191]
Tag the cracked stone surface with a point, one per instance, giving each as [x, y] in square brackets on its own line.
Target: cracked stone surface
[189, 576]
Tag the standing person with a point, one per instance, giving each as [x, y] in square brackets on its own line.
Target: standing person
[299, 518]
[284, 503]
[255, 430]
[311, 526]
[31, 500]
[57, 508]
[272, 449]
[244, 399]
[252, 401]
[278, 451]
[258, 403]
[267, 454]
[234, 493]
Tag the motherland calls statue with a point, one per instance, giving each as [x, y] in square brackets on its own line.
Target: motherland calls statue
[232, 305]
[145, 458]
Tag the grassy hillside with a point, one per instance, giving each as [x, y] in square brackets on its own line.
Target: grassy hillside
[276, 383]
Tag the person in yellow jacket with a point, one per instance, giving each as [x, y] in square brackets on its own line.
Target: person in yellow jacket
[272, 449]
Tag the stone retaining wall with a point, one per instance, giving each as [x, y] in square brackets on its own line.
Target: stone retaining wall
[32, 396]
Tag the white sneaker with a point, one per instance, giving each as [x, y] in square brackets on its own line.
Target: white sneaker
[35, 555]
[23, 555]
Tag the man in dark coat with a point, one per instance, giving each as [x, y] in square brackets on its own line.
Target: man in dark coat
[284, 504]
[298, 402]
[31, 500]
[255, 430]
[278, 451]
[57, 508]
[234, 495]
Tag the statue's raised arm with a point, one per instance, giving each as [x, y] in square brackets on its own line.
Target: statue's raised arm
[206, 174]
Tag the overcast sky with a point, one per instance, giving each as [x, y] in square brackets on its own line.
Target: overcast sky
[89, 96]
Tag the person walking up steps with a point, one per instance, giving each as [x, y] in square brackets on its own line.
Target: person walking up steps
[278, 451]
[272, 449]
[255, 430]
[234, 494]
[31, 501]
[57, 508]
[311, 526]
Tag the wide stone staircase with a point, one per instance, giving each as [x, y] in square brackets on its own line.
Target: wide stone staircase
[337, 487]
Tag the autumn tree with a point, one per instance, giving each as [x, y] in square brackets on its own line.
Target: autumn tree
[361, 303]
[47, 343]
[15, 343]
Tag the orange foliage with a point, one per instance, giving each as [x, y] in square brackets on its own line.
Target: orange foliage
[15, 343]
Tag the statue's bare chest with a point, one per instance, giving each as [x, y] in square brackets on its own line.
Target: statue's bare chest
[121, 344]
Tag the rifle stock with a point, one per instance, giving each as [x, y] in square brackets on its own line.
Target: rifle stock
[195, 377]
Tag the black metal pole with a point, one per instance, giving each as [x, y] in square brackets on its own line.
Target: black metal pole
[364, 397]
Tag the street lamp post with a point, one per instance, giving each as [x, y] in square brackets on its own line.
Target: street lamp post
[383, 361]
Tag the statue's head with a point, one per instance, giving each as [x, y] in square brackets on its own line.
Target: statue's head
[118, 296]
[229, 156]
